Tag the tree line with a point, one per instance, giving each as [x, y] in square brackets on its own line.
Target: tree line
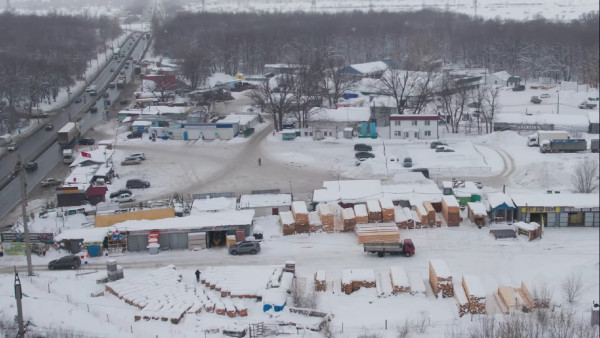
[244, 42]
[40, 54]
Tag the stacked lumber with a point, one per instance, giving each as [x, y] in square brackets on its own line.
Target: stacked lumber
[417, 287]
[196, 240]
[377, 232]
[475, 294]
[450, 210]
[532, 300]
[461, 299]
[410, 221]
[287, 222]
[440, 278]
[360, 212]
[400, 218]
[354, 279]
[241, 309]
[400, 282]
[348, 220]
[387, 210]
[320, 282]
[438, 220]
[314, 222]
[430, 212]
[416, 219]
[300, 213]
[422, 215]
[507, 298]
[326, 213]
[374, 211]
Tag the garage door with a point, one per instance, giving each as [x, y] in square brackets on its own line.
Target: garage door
[137, 242]
[178, 241]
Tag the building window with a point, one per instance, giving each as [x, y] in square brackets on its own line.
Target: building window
[427, 123]
[405, 134]
[397, 133]
[311, 133]
[427, 133]
[414, 123]
[397, 123]
[416, 134]
[305, 133]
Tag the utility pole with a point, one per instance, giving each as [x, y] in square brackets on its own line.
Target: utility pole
[18, 297]
[21, 169]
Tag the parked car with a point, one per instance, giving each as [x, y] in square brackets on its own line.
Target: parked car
[443, 149]
[50, 182]
[535, 100]
[407, 162]
[245, 247]
[120, 192]
[134, 134]
[131, 161]
[66, 262]
[112, 69]
[86, 141]
[12, 146]
[362, 155]
[518, 88]
[93, 109]
[435, 144]
[49, 126]
[31, 166]
[423, 171]
[587, 105]
[77, 100]
[123, 198]
[362, 147]
[112, 85]
[137, 184]
[141, 156]
[545, 96]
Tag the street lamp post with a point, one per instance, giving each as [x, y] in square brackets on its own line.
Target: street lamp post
[557, 102]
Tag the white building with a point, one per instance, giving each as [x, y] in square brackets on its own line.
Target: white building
[414, 127]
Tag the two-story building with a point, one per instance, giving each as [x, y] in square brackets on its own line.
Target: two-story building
[414, 127]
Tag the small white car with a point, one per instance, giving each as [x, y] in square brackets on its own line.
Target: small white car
[126, 197]
[141, 156]
[545, 96]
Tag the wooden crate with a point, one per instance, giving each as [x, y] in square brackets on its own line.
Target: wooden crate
[374, 211]
[326, 213]
[361, 214]
[348, 220]
[387, 210]
[377, 232]
[440, 278]
[300, 213]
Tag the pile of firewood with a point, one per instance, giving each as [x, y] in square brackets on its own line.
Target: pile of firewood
[440, 278]
[320, 282]
[475, 294]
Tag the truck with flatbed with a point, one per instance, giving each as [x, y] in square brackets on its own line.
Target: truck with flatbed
[406, 248]
[534, 140]
[563, 146]
[67, 134]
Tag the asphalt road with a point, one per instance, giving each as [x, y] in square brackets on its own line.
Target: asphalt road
[30, 147]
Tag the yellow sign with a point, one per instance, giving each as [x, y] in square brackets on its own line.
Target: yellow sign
[540, 210]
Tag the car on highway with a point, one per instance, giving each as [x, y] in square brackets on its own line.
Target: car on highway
[120, 192]
[443, 149]
[112, 69]
[363, 155]
[105, 95]
[362, 147]
[48, 126]
[123, 198]
[94, 109]
[126, 66]
[86, 141]
[50, 182]
[112, 85]
[250, 247]
[12, 146]
[31, 166]
[137, 183]
[141, 156]
[66, 262]
[77, 100]
[106, 103]
[131, 161]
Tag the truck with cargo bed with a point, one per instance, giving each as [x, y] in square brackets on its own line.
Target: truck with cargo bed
[406, 248]
[595, 144]
[563, 146]
[66, 135]
[540, 136]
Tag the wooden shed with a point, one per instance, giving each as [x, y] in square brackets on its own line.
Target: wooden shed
[477, 213]
[450, 210]
[348, 220]
[374, 211]
[387, 209]
[360, 212]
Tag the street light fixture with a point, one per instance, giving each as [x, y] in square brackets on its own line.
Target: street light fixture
[557, 102]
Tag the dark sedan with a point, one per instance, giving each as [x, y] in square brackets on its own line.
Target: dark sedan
[67, 262]
[361, 155]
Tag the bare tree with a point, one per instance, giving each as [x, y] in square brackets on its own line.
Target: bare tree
[195, 68]
[276, 100]
[334, 81]
[454, 103]
[488, 105]
[585, 176]
[403, 85]
[571, 287]
[161, 86]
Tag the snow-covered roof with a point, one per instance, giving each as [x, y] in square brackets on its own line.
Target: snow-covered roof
[360, 210]
[441, 268]
[557, 200]
[477, 207]
[502, 75]
[373, 206]
[342, 114]
[459, 293]
[287, 217]
[363, 275]
[81, 177]
[527, 226]
[450, 201]
[162, 110]
[370, 67]
[324, 209]
[383, 101]
[416, 282]
[593, 116]
[474, 285]
[498, 198]
[141, 123]
[130, 112]
[354, 191]
[386, 203]
[98, 155]
[265, 200]
[238, 118]
[213, 204]
[348, 213]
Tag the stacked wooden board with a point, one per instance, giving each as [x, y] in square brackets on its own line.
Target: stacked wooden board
[451, 210]
[417, 286]
[532, 230]
[287, 222]
[360, 212]
[461, 299]
[300, 213]
[475, 294]
[416, 219]
[196, 240]
[430, 213]
[410, 218]
[373, 211]
[387, 210]
[440, 278]
[532, 300]
[314, 222]
[354, 279]
[400, 282]
[377, 232]
[348, 220]
[320, 282]
[326, 213]
[400, 218]
[477, 213]
[422, 214]
[508, 298]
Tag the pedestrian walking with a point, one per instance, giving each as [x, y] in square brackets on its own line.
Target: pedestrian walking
[259, 162]
[197, 273]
